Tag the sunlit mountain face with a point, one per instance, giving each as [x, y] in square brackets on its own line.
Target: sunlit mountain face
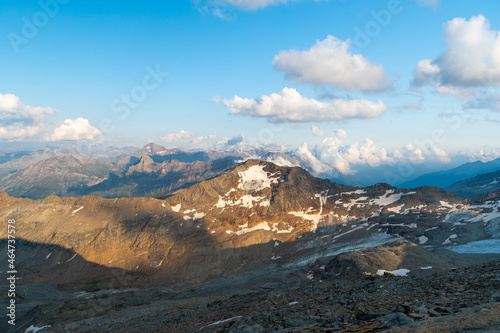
[250, 166]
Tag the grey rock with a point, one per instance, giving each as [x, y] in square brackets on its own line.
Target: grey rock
[397, 319]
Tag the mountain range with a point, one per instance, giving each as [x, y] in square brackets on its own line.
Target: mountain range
[157, 171]
[255, 224]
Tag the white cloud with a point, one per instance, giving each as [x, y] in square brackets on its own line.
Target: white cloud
[312, 161]
[341, 134]
[332, 155]
[74, 130]
[330, 62]
[471, 60]
[317, 131]
[441, 155]
[481, 155]
[426, 73]
[289, 105]
[414, 154]
[176, 137]
[18, 132]
[19, 121]
[202, 142]
[11, 106]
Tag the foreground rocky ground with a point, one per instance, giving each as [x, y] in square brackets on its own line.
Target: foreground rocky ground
[455, 300]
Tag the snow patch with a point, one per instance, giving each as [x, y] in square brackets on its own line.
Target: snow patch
[195, 217]
[260, 226]
[353, 192]
[388, 198]
[77, 210]
[448, 240]
[396, 209]
[265, 203]
[397, 272]
[73, 257]
[423, 239]
[35, 329]
[255, 179]
[176, 208]
[245, 201]
[223, 321]
[286, 231]
[316, 218]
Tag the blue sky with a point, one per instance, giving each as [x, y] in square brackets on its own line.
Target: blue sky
[370, 103]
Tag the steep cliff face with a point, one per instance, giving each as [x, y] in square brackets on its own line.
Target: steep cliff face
[255, 215]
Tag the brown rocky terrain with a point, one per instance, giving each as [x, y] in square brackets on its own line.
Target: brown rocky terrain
[253, 225]
[56, 175]
[149, 178]
[254, 215]
[448, 300]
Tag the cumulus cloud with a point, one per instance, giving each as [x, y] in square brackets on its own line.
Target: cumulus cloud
[176, 137]
[290, 106]
[481, 155]
[19, 121]
[471, 59]
[426, 73]
[440, 154]
[329, 62]
[317, 131]
[332, 155]
[312, 161]
[19, 132]
[11, 106]
[202, 138]
[74, 130]
[411, 153]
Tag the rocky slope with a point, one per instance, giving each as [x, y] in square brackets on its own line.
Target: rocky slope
[252, 216]
[481, 184]
[261, 247]
[148, 178]
[69, 176]
[56, 175]
[448, 300]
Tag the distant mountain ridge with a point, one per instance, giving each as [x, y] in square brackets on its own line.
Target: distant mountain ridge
[56, 176]
[158, 172]
[481, 184]
[447, 178]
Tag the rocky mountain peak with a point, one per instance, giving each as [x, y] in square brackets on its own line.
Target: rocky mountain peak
[155, 149]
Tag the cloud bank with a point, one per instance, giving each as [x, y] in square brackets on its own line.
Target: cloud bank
[290, 106]
[333, 156]
[22, 122]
